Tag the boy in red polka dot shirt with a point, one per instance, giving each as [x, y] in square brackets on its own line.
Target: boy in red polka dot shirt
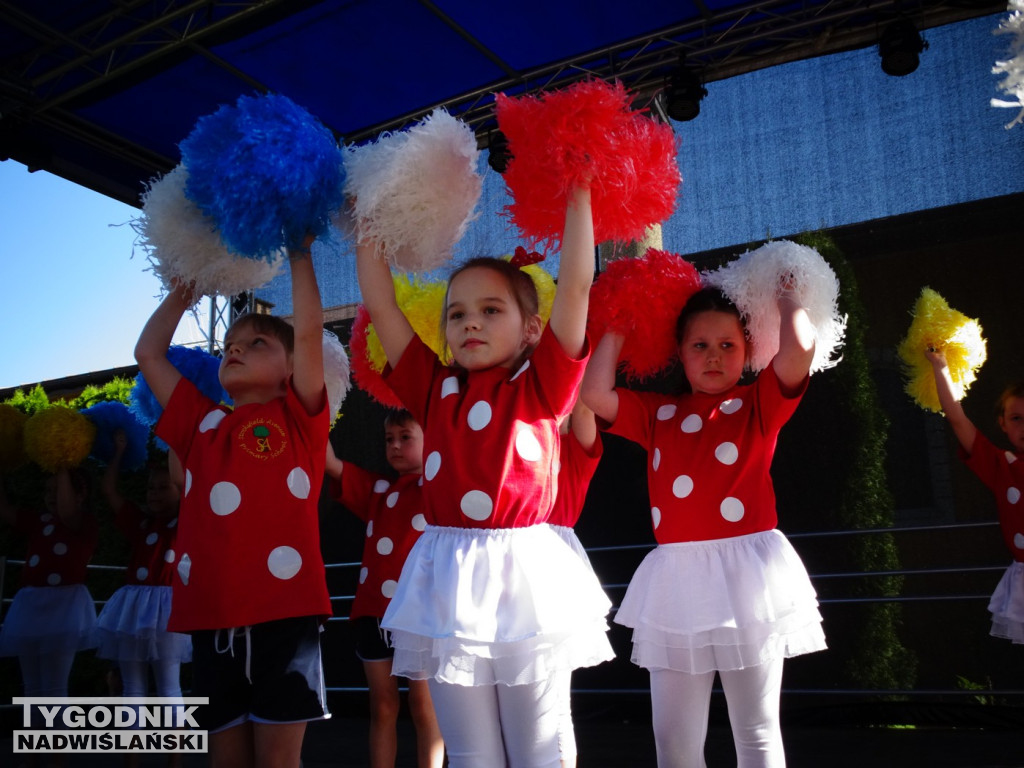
[249, 583]
[395, 516]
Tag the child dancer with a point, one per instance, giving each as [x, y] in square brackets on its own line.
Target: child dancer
[491, 603]
[581, 450]
[53, 615]
[250, 583]
[723, 591]
[394, 515]
[132, 627]
[1003, 473]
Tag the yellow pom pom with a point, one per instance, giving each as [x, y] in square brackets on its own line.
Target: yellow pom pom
[12, 437]
[937, 326]
[545, 285]
[58, 437]
[421, 303]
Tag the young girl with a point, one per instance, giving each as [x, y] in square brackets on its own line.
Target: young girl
[723, 591]
[394, 515]
[491, 603]
[132, 627]
[580, 453]
[53, 615]
[250, 584]
[1003, 473]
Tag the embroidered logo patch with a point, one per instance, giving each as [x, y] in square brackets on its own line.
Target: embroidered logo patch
[262, 439]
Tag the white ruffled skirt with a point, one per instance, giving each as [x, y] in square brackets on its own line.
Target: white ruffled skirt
[1007, 605]
[568, 535]
[44, 620]
[486, 606]
[721, 605]
[133, 627]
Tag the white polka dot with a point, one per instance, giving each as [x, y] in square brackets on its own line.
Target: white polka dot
[173, 523]
[682, 486]
[420, 481]
[46, 517]
[388, 588]
[48, 530]
[33, 561]
[169, 556]
[727, 453]
[449, 386]
[731, 406]
[298, 483]
[666, 412]
[527, 444]
[284, 562]
[381, 486]
[363, 573]
[53, 579]
[419, 522]
[60, 548]
[225, 498]
[142, 573]
[656, 461]
[369, 529]
[732, 509]
[144, 524]
[479, 415]
[522, 369]
[212, 420]
[1010, 457]
[1013, 494]
[188, 481]
[476, 505]
[691, 424]
[385, 546]
[184, 568]
[655, 516]
[152, 539]
[431, 465]
[392, 499]
[1018, 540]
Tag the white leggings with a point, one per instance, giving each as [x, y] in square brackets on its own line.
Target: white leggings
[494, 726]
[135, 677]
[46, 674]
[680, 703]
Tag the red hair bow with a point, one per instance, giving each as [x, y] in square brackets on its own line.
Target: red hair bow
[522, 258]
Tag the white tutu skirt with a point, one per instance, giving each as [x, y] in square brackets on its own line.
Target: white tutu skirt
[721, 605]
[568, 535]
[44, 620]
[133, 627]
[1007, 605]
[510, 605]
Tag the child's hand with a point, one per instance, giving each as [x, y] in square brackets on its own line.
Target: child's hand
[120, 440]
[937, 357]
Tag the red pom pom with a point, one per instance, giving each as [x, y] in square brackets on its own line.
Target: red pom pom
[658, 282]
[367, 377]
[587, 132]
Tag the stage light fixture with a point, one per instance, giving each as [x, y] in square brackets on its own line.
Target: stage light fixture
[684, 92]
[497, 151]
[900, 48]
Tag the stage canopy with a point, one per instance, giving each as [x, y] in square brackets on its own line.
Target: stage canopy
[101, 92]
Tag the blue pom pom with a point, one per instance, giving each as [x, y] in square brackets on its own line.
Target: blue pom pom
[196, 365]
[109, 417]
[266, 171]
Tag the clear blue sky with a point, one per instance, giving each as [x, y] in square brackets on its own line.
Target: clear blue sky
[73, 298]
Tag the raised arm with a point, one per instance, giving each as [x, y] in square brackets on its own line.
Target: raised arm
[70, 500]
[110, 475]
[792, 362]
[575, 274]
[963, 427]
[598, 388]
[378, 291]
[151, 348]
[308, 323]
[583, 425]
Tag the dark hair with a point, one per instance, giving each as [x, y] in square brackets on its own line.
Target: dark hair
[268, 325]
[398, 417]
[1013, 391]
[705, 300]
[520, 285]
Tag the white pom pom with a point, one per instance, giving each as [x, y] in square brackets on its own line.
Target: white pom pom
[414, 192]
[183, 245]
[753, 282]
[1013, 67]
[336, 372]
